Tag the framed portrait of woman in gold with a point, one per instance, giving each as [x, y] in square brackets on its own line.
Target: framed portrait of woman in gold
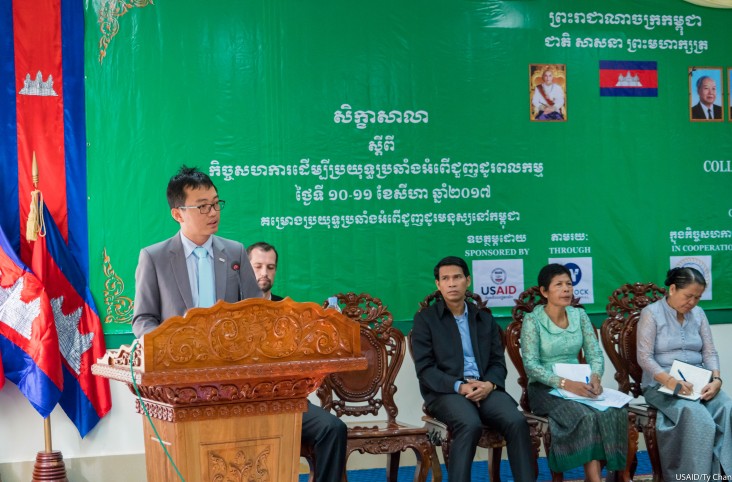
[548, 92]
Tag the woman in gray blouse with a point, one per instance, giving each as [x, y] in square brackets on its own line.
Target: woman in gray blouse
[694, 437]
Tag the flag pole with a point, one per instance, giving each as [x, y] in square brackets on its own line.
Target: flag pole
[49, 466]
[47, 434]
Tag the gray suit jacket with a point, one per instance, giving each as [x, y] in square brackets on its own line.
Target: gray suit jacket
[162, 288]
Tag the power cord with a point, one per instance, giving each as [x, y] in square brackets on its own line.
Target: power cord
[144, 408]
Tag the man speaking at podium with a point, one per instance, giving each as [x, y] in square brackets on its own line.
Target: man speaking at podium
[194, 268]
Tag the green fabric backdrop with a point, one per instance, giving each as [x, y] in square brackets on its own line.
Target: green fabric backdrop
[251, 90]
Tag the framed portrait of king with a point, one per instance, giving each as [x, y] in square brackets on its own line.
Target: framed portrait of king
[705, 94]
[548, 92]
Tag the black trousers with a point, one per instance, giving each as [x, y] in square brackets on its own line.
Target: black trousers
[498, 411]
[327, 434]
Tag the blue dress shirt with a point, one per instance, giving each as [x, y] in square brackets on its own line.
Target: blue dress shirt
[470, 369]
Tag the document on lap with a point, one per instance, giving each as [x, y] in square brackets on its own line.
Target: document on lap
[577, 372]
[697, 376]
[609, 399]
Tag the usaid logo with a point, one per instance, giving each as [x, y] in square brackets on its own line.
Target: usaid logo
[498, 281]
[498, 276]
[575, 272]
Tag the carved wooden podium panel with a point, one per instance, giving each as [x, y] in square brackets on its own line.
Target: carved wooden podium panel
[226, 386]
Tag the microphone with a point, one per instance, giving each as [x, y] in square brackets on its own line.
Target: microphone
[333, 303]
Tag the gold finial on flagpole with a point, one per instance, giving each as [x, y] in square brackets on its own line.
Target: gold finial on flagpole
[34, 170]
[35, 226]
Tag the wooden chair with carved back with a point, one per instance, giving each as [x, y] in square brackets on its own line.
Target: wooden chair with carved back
[440, 433]
[371, 392]
[618, 335]
[525, 303]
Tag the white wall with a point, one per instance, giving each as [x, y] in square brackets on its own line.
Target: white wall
[120, 432]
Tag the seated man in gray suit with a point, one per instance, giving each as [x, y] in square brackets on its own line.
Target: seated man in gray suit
[320, 429]
[458, 355]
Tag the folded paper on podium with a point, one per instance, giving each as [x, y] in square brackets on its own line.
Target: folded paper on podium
[226, 386]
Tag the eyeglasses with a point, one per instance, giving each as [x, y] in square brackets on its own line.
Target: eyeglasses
[206, 208]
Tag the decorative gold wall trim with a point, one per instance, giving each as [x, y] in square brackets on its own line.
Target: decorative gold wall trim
[119, 308]
[109, 11]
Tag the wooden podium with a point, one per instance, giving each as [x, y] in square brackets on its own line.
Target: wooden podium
[226, 386]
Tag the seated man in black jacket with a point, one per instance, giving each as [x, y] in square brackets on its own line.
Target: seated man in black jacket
[458, 355]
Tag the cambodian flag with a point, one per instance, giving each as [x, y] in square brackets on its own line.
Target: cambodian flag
[28, 339]
[86, 398]
[42, 112]
[628, 78]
